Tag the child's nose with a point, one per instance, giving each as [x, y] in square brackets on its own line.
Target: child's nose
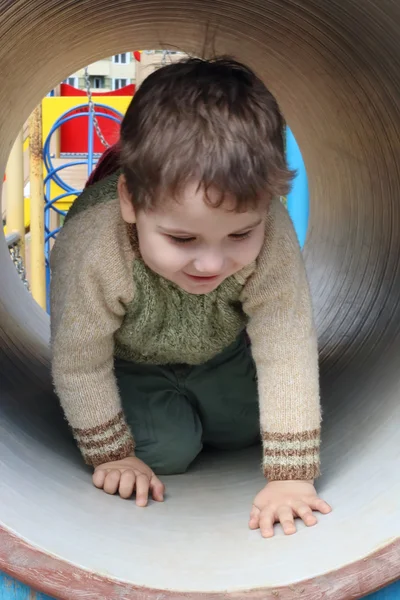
[210, 263]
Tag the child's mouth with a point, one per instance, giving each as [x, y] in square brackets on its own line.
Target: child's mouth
[200, 278]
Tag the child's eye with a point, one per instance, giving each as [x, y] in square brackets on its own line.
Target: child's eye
[240, 236]
[181, 240]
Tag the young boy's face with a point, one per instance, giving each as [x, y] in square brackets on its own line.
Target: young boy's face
[193, 244]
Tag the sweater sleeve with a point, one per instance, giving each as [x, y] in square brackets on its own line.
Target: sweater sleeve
[283, 338]
[91, 284]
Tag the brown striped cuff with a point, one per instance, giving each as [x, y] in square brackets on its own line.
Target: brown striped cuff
[105, 443]
[291, 455]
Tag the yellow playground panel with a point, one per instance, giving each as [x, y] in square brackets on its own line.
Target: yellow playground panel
[52, 109]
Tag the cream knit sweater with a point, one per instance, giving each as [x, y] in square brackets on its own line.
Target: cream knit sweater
[105, 302]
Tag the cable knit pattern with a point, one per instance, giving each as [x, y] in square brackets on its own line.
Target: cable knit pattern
[165, 325]
[106, 302]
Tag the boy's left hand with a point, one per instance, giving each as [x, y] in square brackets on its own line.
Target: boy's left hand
[282, 501]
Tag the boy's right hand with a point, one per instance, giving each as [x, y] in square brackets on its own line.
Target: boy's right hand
[127, 476]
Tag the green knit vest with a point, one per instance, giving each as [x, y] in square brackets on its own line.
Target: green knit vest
[164, 324]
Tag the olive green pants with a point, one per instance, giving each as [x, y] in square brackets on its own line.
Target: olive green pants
[174, 410]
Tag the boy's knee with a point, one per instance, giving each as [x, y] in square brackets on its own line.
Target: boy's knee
[174, 458]
[235, 440]
[237, 444]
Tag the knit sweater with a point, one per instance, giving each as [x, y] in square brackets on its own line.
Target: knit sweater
[106, 303]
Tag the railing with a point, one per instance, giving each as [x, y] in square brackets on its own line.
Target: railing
[13, 242]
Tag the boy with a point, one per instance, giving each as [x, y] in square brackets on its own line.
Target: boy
[158, 271]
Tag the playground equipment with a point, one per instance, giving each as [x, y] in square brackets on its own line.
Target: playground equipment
[60, 191]
[335, 76]
[73, 132]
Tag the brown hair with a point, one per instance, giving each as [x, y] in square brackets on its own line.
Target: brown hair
[209, 120]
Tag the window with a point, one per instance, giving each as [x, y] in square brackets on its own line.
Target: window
[98, 83]
[72, 81]
[121, 59]
[119, 83]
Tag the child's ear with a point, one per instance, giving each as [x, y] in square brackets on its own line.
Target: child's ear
[125, 200]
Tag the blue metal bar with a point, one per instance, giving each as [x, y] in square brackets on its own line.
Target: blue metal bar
[47, 228]
[53, 172]
[64, 118]
[61, 121]
[52, 234]
[90, 142]
[50, 203]
[51, 176]
[298, 198]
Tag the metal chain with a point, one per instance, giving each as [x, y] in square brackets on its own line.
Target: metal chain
[165, 54]
[93, 110]
[92, 106]
[15, 254]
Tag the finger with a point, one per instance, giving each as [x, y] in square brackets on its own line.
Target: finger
[98, 477]
[305, 513]
[285, 516]
[111, 481]
[267, 520]
[142, 489]
[320, 505]
[157, 489]
[127, 484]
[254, 521]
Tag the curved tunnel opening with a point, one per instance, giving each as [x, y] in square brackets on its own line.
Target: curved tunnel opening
[339, 91]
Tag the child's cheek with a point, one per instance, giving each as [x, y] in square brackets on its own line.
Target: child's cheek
[176, 258]
[165, 256]
[247, 252]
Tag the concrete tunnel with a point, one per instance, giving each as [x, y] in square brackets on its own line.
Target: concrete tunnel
[334, 67]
